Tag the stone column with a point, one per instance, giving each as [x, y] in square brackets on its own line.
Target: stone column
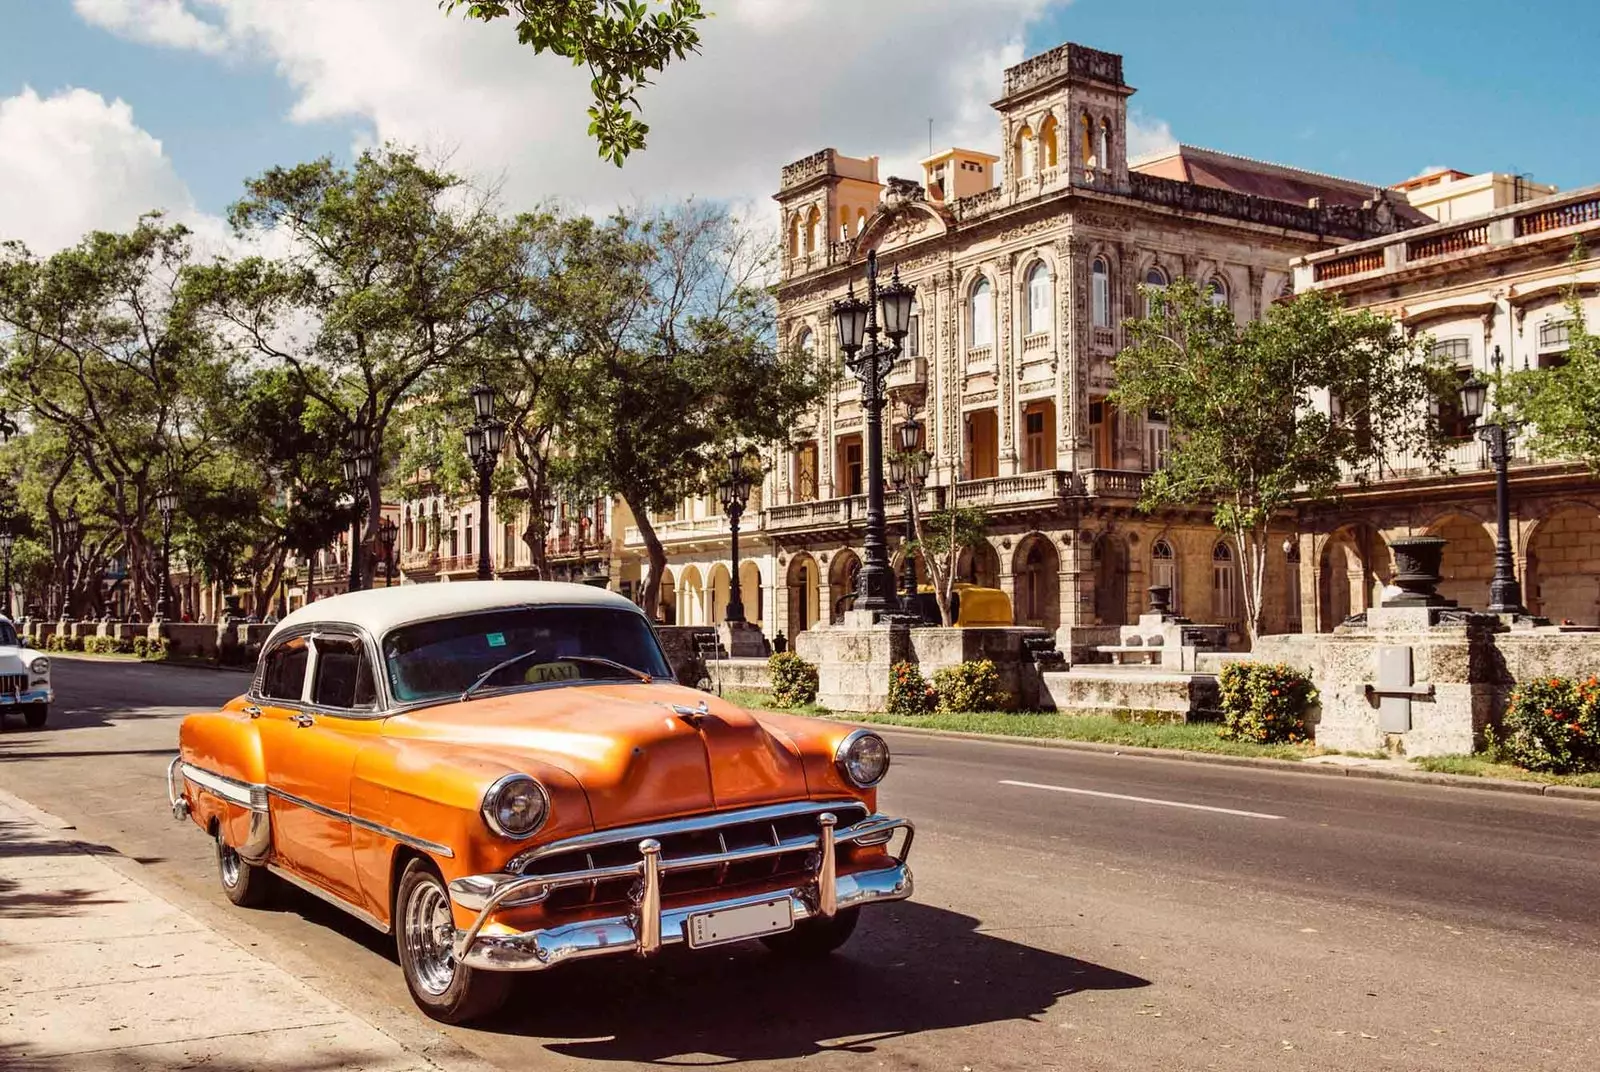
[1310, 581]
[1072, 435]
[1007, 575]
[1006, 349]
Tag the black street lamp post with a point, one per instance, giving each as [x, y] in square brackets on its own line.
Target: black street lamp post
[908, 472]
[484, 440]
[69, 539]
[387, 531]
[734, 490]
[357, 468]
[871, 361]
[7, 540]
[1505, 592]
[166, 504]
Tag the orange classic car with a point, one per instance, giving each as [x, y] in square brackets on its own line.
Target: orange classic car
[506, 777]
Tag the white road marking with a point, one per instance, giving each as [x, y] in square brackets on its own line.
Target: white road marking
[1141, 800]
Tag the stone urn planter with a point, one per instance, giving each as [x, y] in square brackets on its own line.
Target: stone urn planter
[1416, 561]
[1160, 598]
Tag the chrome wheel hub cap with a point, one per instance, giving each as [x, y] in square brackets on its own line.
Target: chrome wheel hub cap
[227, 864]
[430, 932]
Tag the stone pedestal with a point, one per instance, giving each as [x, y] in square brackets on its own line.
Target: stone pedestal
[743, 640]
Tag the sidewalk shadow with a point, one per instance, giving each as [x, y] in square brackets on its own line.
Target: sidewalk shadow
[911, 968]
[23, 1057]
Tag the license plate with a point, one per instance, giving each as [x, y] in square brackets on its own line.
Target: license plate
[737, 924]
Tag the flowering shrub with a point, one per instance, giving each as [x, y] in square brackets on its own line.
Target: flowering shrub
[909, 691]
[1264, 702]
[970, 686]
[1553, 724]
[794, 681]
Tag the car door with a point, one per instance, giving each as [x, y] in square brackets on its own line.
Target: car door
[310, 749]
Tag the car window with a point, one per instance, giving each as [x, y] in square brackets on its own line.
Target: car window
[343, 677]
[8, 635]
[283, 677]
[430, 660]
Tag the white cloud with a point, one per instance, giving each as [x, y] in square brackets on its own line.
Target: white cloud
[153, 22]
[75, 162]
[1148, 137]
[776, 80]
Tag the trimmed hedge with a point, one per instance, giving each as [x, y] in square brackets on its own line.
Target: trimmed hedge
[151, 649]
[909, 691]
[794, 681]
[1264, 702]
[61, 642]
[104, 645]
[1552, 724]
[969, 686]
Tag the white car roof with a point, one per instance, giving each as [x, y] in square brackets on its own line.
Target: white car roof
[379, 610]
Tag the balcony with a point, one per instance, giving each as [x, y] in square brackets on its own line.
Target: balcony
[689, 529]
[458, 564]
[1462, 456]
[1044, 486]
[1113, 483]
[1036, 345]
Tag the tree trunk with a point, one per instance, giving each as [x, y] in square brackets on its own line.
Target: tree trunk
[1252, 545]
[658, 559]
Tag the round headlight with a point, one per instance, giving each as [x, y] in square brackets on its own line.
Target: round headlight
[39, 665]
[863, 759]
[515, 806]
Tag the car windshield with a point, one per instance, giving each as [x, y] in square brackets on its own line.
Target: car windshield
[8, 635]
[433, 660]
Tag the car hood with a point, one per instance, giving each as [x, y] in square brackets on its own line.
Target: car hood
[640, 751]
[14, 660]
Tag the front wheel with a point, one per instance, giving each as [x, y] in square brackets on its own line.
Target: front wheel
[35, 715]
[425, 933]
[815, 938]
[246, 884]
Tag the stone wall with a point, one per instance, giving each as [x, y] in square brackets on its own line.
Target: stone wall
[747, 675]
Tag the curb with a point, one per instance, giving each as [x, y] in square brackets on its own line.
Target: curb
[129, 660]
[1454, 781]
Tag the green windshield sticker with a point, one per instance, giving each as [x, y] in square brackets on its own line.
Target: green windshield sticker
[497, 640]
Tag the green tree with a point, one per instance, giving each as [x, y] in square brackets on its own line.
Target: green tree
[681, 367]
[1562, 404]
[942, 536]
[113, 373]
[392, 272]
[621, 43]
[1277, 412]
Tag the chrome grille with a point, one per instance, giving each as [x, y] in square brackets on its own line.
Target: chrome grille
[13, 683]
[752, 845]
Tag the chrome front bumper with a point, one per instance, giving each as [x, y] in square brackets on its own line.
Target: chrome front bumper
[649, 926]
[31, 696]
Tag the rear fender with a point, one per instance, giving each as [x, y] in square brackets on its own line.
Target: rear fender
[225, 744]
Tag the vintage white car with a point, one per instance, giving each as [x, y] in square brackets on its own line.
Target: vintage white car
[24, 678]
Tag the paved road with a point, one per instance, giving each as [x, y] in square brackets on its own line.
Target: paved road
[1073, 911]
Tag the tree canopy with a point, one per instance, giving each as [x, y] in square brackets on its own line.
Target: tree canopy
[1275, 412]
[621, 42]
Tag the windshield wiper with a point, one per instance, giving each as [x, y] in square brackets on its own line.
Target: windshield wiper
[596, 659]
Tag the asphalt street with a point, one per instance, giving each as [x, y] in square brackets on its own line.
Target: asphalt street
[1073, 911]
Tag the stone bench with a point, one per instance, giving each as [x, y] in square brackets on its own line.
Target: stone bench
[1120, 652]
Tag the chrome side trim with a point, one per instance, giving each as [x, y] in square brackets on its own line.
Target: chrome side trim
[690, 825]
[245, 794]
[332, 898]
[366, 824]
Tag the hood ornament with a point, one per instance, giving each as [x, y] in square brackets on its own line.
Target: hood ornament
[692, 715]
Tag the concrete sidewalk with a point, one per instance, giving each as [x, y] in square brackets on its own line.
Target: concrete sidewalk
[100, 974]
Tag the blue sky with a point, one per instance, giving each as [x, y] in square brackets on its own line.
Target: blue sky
[1372, 91]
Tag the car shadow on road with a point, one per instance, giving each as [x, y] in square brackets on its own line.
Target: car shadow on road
[911, 968]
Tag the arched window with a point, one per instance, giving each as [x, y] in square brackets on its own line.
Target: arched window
[914, 330]
[861, 220]
[1154, 279]
[980, 313]
[1164, 570]
[813, 230]
[1224, 585]
[1105, 143]
[1217, 292]
[1087, 133]
[1025, 152]
[1100, 280]
[844, 224]
[1049, 136]
[806, 341]
[794, 235]
[1039, 298]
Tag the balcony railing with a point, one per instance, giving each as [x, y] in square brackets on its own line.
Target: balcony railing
[1462, 456]
[1114, 483]
[1105, 339]
[457, 563]
[1553, 219]
[1036, 343]
[1042, 485]
[1366, 261]
[1437, 245]
[690, 528]
[979, 356]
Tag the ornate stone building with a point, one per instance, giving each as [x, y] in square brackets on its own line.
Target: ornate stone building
[1025, 266]
[1498, 280]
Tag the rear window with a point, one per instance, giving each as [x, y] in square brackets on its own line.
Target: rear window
[432, 660]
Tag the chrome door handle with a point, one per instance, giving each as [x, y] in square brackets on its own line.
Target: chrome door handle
[253, 711]
[304, 721]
